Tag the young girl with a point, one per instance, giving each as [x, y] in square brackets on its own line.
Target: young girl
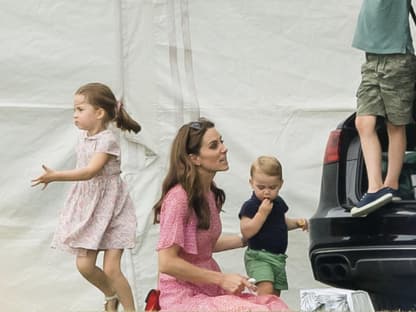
[98, 214]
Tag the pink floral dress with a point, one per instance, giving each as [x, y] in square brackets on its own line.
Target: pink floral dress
[178, 226]
[98, 213]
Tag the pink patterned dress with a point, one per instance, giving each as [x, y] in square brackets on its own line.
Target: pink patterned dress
[178, 226]
[98, 213]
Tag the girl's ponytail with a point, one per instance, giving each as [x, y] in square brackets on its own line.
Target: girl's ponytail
[100, 95]
[124, 121]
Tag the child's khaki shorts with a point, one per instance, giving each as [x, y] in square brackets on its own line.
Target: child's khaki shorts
[387, 87]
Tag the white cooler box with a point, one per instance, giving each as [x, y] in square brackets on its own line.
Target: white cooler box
[335, 300]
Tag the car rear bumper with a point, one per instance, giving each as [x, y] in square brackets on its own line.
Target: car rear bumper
[374, 269]
[376, 253]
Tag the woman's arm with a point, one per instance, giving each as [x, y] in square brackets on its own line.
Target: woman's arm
[226, 242]
[97, 162]
[172, 264]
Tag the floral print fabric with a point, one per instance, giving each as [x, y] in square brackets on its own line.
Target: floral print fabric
[98, 213]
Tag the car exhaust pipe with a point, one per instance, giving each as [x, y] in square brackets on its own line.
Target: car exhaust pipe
[341, 271]
[325, 271]
[333, 268]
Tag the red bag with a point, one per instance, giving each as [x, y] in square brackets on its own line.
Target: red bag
[152, 301]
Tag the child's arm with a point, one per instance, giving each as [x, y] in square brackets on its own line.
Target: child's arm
[96, 163]
[250, 226]
[297, 223]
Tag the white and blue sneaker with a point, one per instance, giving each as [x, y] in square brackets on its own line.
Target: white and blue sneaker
[396, 195]
[372, 201]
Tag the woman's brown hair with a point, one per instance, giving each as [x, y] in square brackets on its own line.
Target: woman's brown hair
[182, 171]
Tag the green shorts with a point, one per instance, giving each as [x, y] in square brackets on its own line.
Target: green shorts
[387, 87]
[266, 266]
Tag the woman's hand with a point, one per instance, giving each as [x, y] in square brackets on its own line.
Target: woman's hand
[235, 283]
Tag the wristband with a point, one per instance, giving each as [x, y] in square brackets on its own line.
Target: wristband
[243, 241]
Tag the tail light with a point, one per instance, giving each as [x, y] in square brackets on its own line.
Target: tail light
[332, 147]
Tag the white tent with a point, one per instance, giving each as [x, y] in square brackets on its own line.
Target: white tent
[275, 77]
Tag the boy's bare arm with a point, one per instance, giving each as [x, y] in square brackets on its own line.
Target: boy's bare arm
[296, 223]
[250, 226]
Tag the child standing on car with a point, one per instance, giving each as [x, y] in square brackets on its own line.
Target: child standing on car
[386, 90]
[98, 214]
[265, 226]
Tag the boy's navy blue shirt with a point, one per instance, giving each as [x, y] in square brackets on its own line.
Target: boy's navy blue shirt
[273, 234]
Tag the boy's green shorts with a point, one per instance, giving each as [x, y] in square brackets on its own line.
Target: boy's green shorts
[266, 266]
[387, 87]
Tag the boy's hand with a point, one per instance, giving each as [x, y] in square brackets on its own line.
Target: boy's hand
[303, 224]
[266, 206]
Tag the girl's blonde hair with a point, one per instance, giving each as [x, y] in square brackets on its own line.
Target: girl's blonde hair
[268, 165]
[99, 95]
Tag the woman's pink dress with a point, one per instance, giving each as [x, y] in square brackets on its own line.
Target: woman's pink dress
[98, 213]
[178, 226]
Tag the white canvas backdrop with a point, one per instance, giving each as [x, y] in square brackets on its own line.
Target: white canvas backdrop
[275, 77]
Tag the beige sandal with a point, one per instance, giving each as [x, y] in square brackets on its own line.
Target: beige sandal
[108, 299]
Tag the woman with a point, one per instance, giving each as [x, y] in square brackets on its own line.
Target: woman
[190, 230]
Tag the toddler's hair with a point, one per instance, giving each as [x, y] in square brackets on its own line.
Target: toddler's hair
[268, 165]
[101, 96]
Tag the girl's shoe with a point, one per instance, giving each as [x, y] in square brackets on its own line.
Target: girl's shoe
[107, 302]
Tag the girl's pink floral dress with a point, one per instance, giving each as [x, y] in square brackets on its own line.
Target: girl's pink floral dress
[98, 213]
[178, 226]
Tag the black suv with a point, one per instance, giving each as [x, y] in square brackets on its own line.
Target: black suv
[376, 253]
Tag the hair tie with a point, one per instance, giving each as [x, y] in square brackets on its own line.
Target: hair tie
[119, 104]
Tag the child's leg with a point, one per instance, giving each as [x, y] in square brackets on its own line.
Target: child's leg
[87, 267]
[112, 269]
[370, 144]
[266, 288]
[397, 147]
